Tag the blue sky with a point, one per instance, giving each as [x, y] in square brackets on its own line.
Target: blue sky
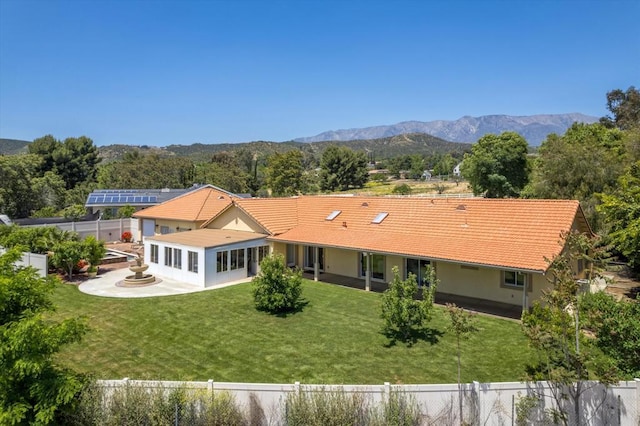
[179, 72]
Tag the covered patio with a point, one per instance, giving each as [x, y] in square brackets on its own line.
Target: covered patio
[503, 310]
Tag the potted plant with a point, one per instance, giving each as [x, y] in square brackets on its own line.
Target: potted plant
[92, 271]
[126, 236]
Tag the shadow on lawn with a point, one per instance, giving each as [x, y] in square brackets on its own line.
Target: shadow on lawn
[299, 307]
[429, 335]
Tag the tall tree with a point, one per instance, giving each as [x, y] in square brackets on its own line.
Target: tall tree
[18, 198]
[497, 165]
[586, 160]
[625, 108]
[566, 358]
[621, 211]
[33, 388]
[285, 173]
[147, 171]
[342, 168]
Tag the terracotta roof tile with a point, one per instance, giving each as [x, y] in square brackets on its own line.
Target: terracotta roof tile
[198, 205]
[503, 233]
[275, 215]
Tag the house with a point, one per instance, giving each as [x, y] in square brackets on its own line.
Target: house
[456, 169]
[492, 249]
[110, 200]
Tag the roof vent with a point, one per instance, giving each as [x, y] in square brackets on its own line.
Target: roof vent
[333, 215]
[461, 207]
[365, 204]
[220, 197]
[380, 217]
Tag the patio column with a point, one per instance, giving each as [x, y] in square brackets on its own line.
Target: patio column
[367, 275]
[524, 293]
[316, 263]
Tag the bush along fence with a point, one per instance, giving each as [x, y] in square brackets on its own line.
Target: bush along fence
[135, 402]
[105, 230]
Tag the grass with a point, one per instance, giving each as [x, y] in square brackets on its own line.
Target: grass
[219, 335]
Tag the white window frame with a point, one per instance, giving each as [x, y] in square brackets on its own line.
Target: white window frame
[192, 258]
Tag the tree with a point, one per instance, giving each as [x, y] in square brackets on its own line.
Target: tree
[17, 196]
[342, 168]
[93, 251]
[404, 316]
[497, 165]
[621, 211]
[75, 212]
[585, 161]
[147, 171]
[33, 388]
[276, 289]
[566, 358]
[125, 211]
[285, 173]
[625, 108]
[66, 255]
[462, 324]
[616, 326]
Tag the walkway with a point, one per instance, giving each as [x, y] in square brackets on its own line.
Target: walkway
[105, 285]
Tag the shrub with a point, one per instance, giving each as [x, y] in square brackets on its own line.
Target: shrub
[126, 236]
[276, 289]
[403, 189]
[326, 408]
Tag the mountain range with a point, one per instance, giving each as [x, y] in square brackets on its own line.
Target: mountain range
[534, 128]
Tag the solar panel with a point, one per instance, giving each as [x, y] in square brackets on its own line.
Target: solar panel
[153, 199]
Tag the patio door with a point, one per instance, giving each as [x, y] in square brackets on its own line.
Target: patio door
[309, 257]
[418, 267]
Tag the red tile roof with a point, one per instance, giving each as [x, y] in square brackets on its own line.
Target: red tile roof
[198, 205]
[275, 215]
[502, 233]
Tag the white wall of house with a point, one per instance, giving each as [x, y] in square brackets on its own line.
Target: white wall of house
[208, 273]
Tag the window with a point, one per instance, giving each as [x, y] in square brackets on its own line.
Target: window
[418, 267]
[153, 256]
[164, 230]
[192, 258]
[263, 252]
[177, 258]
[514, 279]
[221, 261]
[333, 214]
[309, 257]
[167, 256]
[380, 217]
[377, 266]
[237, 259]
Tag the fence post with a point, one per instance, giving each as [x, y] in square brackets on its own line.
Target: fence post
[478, 401]
[637, 407]
[121, 230]
[210, 386]
[386, 392]
[98, 230]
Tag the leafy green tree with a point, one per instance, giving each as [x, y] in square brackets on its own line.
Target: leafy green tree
[625, 108]
[403, 189]
[285, 173]
[33, 388]
[498, 165]
[75, 160]
[75, 212]
[418, 166]
[585, 161]
[39, 239]
[405, 317]
[566, 358]
[17, 196]
[462, 324]
[49, 190]
[66, 256]
[147, 171]
[277, 288]
[621, 211]
[126, 211]
[93, 250]
[616, 326]
[445, 165]
[342, 168]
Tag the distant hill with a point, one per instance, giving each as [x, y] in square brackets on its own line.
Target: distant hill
[415, 143]
[534, 128]
[13, 146]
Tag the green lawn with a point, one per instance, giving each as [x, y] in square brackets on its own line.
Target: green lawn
[219, 335]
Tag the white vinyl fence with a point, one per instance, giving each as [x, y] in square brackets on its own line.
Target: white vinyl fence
[483, 403]
[105, 230]
[37, 261]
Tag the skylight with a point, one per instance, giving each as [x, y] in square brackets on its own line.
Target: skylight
[380, 217]
[333, 214]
